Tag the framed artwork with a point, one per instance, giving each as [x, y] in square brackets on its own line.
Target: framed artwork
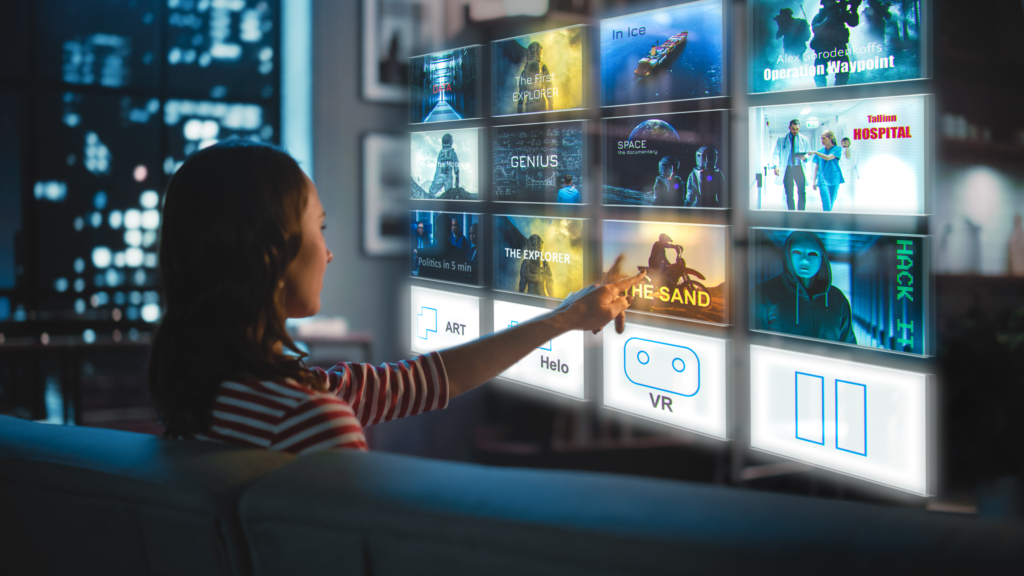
[385, 190]
[393, 32]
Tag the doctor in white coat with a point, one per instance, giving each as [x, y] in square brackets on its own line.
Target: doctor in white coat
[788, 159]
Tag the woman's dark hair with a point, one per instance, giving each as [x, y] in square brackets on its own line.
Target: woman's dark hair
[232, 222]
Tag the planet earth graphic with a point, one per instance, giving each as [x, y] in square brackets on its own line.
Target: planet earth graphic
[654, 129]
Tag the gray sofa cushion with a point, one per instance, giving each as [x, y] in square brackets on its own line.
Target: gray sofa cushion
[353, 513]
[91, 501]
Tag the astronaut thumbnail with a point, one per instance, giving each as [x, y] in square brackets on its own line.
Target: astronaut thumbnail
[540, 72]
[861, 289]
[661, 55]
[539, 256]
[671, 160]
[538, 163]
[445, 86]
[685, 264]
[446, 164]
[801, 44]
[446, 246]
[863, 156]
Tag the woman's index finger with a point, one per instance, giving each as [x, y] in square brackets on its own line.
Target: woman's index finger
[627, 283]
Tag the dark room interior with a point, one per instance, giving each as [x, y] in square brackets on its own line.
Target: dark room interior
[699, 286]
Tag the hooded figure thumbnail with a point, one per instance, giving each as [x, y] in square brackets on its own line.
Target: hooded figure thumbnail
[802, 300]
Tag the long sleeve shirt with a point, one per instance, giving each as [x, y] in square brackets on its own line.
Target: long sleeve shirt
[286, 416]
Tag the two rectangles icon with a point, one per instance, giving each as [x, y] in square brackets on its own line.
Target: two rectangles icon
[851, 413]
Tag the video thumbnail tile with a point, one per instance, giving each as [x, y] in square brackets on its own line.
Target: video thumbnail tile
[538, 163]
[670, 160]
[445, 86]
[685, 264]
[540, 72]
[802, 44]
[661, 55]
[446, 246]
[539, 256]
[864, 156]
[862, 289]
[446, 164]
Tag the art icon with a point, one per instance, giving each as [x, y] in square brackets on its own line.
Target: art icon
[661, 366]
[426, 322]
[660, 55]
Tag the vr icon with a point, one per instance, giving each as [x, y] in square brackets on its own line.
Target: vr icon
[662, 366]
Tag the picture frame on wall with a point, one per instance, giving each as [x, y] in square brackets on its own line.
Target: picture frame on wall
[385, 191]
[394, 31]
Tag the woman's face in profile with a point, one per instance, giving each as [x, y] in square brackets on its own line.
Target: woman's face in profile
[304, 278]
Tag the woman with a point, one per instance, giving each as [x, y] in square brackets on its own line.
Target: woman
[827, 173]
[241, 250]
[851, 173]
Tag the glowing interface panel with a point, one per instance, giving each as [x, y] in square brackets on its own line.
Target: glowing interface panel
[812, 44]
[445, 164]
[441, 320]
[540, 72]
[686, 267]
[667, 160]
[539, 256]
[445, 86]
[671, 53]
[863, 156]
[861, 420]
[539, 163]
[860, 289]
[667, 376]
[445, 246]
[557, 365]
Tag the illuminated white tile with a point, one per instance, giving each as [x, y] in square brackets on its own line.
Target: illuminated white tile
[862, 420]
[671, 377]
[441, 320]
[557, 365]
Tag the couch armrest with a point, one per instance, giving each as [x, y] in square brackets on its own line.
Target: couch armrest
[89, 500]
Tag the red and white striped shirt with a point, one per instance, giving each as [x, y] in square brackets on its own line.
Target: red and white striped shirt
[285, 416]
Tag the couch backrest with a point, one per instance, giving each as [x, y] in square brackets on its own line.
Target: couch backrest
[386, 515]
[77, 500]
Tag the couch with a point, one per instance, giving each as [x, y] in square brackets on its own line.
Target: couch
[78, 500]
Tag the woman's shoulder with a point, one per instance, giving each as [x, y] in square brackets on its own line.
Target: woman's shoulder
[285, 391]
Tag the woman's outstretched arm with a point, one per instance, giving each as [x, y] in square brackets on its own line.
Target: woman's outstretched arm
[592, 308]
